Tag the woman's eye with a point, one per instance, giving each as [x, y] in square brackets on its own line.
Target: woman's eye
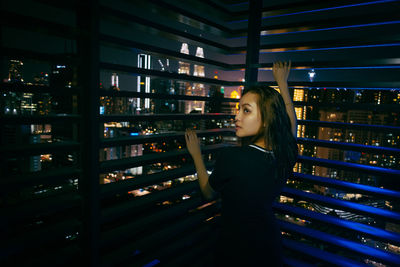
[246, 110]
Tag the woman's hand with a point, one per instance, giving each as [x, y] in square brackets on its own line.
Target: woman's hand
[281, 71]
[192, 143]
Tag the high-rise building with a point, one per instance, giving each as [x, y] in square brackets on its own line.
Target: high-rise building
[41, 78]
[115, 80]
[116, 104]
[143, 83]
[112, 130]
[348, 115]
[184, 88]
[62, 78]
[14, 104]
[301, 112]
[187, 88]
[123, 105]
[198, 88]
[15, 71]
[326, 133]
[165, 86]
[28, 106]
[11, 102]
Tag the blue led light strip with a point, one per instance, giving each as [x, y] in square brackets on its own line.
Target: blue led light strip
[322, 29]
[334, 28]
[331, 8]
[342, 68]
[239, 4]
[332, 48]
[319, 10]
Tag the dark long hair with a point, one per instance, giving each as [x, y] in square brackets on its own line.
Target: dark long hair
[275, 128]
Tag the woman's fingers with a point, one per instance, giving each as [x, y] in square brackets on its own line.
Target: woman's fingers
[190, 135]
[280, 64]
[186, 137]
[192, 142]
[193, 136]
[280, 67]
[287, 65]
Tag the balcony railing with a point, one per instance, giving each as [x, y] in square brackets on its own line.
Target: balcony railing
[87, 175]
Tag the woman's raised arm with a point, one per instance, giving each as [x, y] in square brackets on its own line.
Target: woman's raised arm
[193, 146]
[281, 71]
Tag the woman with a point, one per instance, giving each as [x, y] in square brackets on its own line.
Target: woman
[249, 177]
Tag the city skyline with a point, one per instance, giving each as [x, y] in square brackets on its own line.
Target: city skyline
[95, 174]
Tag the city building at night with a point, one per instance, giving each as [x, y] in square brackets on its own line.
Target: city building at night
[96, 97]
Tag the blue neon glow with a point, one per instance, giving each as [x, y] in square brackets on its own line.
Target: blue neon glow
[331, 8]
[339, 222]
[134, 134]
[380, 170]
[336, 87]
[349, 185]
[152, 263]
[344, 204]
[319, 10]
[334, 28]
[351, 88]
[321, 254]
[332, 48]
[336, 240]
[323, 29]
[345, 68]
[352, 68]
[326, 48]
[239, 4]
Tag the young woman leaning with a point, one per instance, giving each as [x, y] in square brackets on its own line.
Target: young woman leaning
[249, 177]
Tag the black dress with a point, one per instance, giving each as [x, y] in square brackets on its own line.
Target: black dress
[246, 177]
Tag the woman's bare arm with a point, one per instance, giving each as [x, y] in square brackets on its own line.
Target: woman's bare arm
[281, 73]
[193, 145]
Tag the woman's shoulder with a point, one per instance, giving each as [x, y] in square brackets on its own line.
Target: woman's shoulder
[252, 148]
[244, 152]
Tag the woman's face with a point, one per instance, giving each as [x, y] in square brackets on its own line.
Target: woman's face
[248, 117]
